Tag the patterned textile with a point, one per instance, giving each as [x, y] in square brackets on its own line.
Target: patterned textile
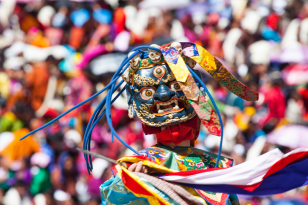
[182, 158]
[190, 89]
[177, 66]
[149, 190]
[214, 67]
[114, 192]
[171, 55]
[188, 85]
[189, 49]
[206, 114]
[270, 173]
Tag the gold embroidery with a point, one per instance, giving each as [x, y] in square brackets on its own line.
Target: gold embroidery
[145, 63]
[170, 115]
[144, 81]
[151, 65]
[187, 104]
[170, 77]
[145, 110]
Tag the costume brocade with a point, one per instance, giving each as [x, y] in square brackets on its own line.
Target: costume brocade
[114, 191]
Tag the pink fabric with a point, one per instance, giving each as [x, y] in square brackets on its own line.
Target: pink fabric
[90, 54]
[33, 30]
[54, 35]
[81, 89]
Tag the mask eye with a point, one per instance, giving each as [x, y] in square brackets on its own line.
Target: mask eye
[159, 71]
[175, 86]
[147, 93]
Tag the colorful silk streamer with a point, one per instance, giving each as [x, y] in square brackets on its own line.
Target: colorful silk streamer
[271, 173]
[188, 85]
[214, 67]
[207, 115]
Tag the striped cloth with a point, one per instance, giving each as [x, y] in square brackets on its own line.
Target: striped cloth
[270, 173]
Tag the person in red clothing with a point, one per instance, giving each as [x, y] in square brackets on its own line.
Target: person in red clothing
[275, 101]
[303, 91]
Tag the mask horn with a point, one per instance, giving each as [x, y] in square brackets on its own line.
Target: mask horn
[215, 68]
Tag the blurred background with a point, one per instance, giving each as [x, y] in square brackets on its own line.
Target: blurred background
[55, 54]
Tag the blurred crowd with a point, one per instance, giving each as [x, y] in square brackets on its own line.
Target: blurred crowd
[55, 54]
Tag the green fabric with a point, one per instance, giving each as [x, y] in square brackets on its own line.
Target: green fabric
[184, 158]
[6, 125]
[113, 191]
[4, 185]
[40, 182]
[234, 199]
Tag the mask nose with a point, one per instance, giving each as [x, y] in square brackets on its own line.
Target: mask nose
[163, 93]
